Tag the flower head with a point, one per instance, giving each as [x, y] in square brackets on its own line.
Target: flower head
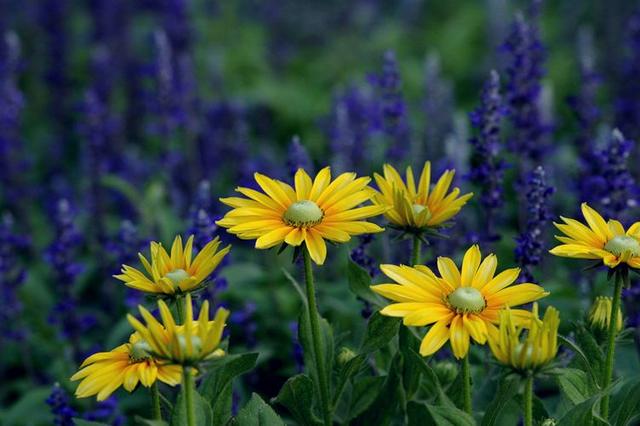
[599, 240]
[310, 212]
[461, 303]
[418, 208]
[174, 273]
[196, 340]
[600, 314]
[127, 365]
[535, 350]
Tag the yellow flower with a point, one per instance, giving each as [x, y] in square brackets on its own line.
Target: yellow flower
[460, 304]
[600, 240]
[600, 314]
[188, 344]
[535, 350]
[420, 207]
[127, 365]
[309, 212]
[174, 273]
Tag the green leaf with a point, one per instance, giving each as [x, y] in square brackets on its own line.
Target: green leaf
[505, 393]
[418, 415]
[575, 385]
[450, 416]
[28, 407]
[149, 422]
[297, 396]
[626, 404]
[583, 413]
[306, 341]
[359, 283]
[409, 344]
[203, 413]
[380, 331]
[217, 385]
[431, 381]
[365, 391]
[257, 413]
[82, 422]
[348, 370]
[593, 372]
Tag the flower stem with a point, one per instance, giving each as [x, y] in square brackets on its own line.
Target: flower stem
[179, 309]
[528, 401]
[189, 386]
[415, 253]
[466, 384]
[314, 320]
[621, 277]
[156, 414]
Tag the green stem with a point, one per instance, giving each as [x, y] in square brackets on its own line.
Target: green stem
[466, 384]
[621, 277]
[528, 401]
[312, 307]
[189, 386]
[179, 309]
[156, 414]
[415, 253]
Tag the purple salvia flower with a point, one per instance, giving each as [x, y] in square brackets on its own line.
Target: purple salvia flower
[438, 107]
[244, 320]
[627, 104]
[124, 247]
[12, 276]
[530, 245]
[393, 108]
[524, 71]
[106, 411]
[60, 405]
[487, 166]
[298, 157]
[296, 349]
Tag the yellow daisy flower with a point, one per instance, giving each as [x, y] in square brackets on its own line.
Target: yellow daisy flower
[310, 212]
[421, 207]
[174, 273]
[600, 314]
[535, 350]
[127, 365]
[460, 303]
[600, 240]
[188, 344]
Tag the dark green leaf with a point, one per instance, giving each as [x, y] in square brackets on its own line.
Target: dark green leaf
[217, 385]
[82, 422]
[203, 413]
[306, 341]
[380, 331]
[574, 384]
[418, 415]
[348, 370]
[149, 422]
[505, 393]
[257, 413]
[582, 356]
[28, 407]
[365, 391]
[431, 381]
[625, 404]
[297, 396]
[359, 282]
[450, 416]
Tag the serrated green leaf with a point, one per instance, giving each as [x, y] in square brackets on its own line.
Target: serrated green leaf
[359, 282]
[216, 387]
[297, 396]
[450, 416]
[575, 385]
[380, 331]
[257, 413]
[504, 394]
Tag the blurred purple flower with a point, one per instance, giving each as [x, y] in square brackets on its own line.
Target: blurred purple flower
[296, 350]
[627, 103]
[60, 406]
[106, 411]
[298, 158]
[244, 320]
[12, 276]
[438, 106]
[124, 247]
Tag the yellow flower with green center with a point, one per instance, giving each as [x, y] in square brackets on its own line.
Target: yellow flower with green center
[599, 240]
[127, 365]
[177, 272]
[461, 304]
[418, 207]
[196, 340]
[310, 212]
[600, 314]
[537, 348]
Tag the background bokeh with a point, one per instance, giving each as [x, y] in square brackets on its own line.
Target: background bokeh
[123, 122]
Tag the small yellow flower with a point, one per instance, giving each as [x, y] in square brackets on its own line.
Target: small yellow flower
[462, 303]
[310, 212]
[535, 350]
[600, 314]
[127, 365]
[421, 207]
[600, 240]
[188, 344]
[174, 273]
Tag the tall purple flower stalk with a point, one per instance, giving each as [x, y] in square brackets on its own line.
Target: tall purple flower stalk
[60, 406]
[438, 108]
[12, 276]
[298, 157]
[627, 104]
[395, 122]
[124, 247]
[524, 70]
[530, 244]
[487, 166]
[12, 164]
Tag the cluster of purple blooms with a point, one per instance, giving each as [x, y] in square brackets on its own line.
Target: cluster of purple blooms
[12, 276]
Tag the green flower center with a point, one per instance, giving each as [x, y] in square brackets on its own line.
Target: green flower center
[139, 351]
[177, 276]
[466, 299]
[623, 244]
[196, 345]
[419, 208]
[302, 214]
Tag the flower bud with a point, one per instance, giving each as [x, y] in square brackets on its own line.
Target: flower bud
[600, 314]
[345, 355]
